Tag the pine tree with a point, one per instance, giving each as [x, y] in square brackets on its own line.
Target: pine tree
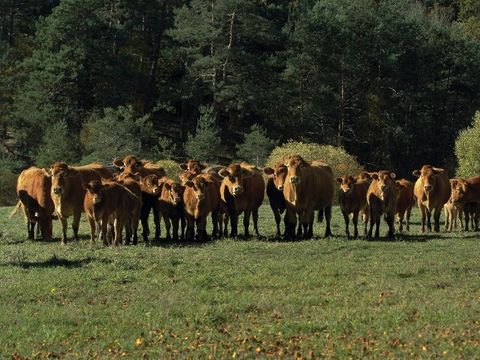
[58, 145]
[204, 145]
[256, 146]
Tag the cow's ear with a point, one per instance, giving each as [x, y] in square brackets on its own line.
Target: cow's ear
[374, 176]
[118, 163]
[71, 171]
[268, 171]
[339, 180]
[87, 187]
[167, 186]
[393, 175]
[416, 173]
[183, 166]
[453, 182]
[47, 172]
[246, 173]
[397, 184]
[223, 173]
[438, 171]
[203, 166]
[189, 183]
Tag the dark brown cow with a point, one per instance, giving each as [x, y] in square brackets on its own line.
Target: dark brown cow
[471, 211]
[170, 207]
[242, 190]
[276, 179]
[112, 203]
[33, 190]
[307, 188]
[352, 198]
[406, 200]
[202, 197]
[68, 191]
[382, 198]
[466, 192]
[432, 190]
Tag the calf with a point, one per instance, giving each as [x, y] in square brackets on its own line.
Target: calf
[432, 190]
[352, 198]
[170, 207]
[452, 212]
[201, 197]
[242, 190]
[276, 179]
[33, 190]
[405, 202]
[68, 192]
[111, 203]
[382, 198]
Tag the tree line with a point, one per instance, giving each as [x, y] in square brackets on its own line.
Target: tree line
[393, 82]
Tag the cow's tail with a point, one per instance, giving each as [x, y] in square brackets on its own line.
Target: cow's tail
[16, 209]
[320, 216]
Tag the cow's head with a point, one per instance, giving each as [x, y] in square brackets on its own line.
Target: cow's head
[175, 191]
[150, 184]
[199, 185]
[279, 175]
[95, 189]
[428, 174]
[60, 174]
[185, 176]
[193, 166]
[346, 183]
[364, 176]
[385, 181]
[296, 166]
[459, 192]
[234, 178]
[130, 163]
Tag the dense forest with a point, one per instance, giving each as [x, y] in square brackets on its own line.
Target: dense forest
[391, 81]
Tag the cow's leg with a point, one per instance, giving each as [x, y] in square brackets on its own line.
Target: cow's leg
[436, 218]
[407, 217]
[118, 225]
[175, 221]
[328, 218]
[190, 227]
[166, 220]
[144, 212]
[135, 221]
[91, 222]
[214, 222]
[226, 218]
[346, 219]
[63, 220]
[290, 224]
[104, 231]
[365, 216]
[76, 224]
[233, 225]
[390, 219]
[220, 224]
[467, 217]
[428, 213]
[401, 216]
[128, 231]
[202, 229]
[182, 227]
[355, 224]
[246, 223]
[476, 219]
[278, 218]
[422, 216]
[255, 221]
[156, 221]
[31, 229]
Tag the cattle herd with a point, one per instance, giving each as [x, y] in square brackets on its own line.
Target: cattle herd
[121, 197]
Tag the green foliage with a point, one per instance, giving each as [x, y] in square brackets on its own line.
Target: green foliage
[8, 183]
[58, 144]
[256, 146]
[467, 149]
[341, 162]
[204, 145]
[171, 167]
[116, 133]
[165, 149]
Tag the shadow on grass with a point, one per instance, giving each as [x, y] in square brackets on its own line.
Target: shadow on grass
[52, 262]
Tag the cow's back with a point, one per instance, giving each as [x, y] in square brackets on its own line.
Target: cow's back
[323, 191]
[406, 197]
[255, 188]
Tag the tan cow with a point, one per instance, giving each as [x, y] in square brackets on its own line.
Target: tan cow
[352, 198]
[382, 198]
[406, 200]
[170, 207]
[202, 197]
[453, 213]
[466, 192]
[68, 191]
[242, 190]
[307, 188]
[132, 165]
[432, 190]
[33, 190]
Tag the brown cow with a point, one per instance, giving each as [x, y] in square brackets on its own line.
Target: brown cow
[307, 188]
[33, 190]
[471, 211]
[202, 196]
[352, 198]
[453, 212]
[432, 190]
[466, 192]
[382, 198]
[112, 203]
[406, 200]
[68, 191]
[242, 190]
[193, 166]
[132, 165]
[170, 206]
[276, 179]
[364, 176]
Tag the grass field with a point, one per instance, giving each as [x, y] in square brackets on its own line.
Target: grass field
[418, 296]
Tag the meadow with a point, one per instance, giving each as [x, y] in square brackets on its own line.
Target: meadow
[418, 296]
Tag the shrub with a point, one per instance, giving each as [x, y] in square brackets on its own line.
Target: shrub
[58, 145]
[467, 149]
[8, 183]
[256, 146]
[342, 163]
[171, 167]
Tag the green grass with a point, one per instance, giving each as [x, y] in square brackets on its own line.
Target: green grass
[415, 297]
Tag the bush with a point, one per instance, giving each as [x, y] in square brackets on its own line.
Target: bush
[171, 167]
[8, 184]
[467, 150]
[342, 163]
[256, 146]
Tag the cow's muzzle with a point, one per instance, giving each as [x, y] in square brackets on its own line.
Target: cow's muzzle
[176, 200]
[280, 187]
[294, 179]
[237, 190]
[155, 191]
[200, 197]
[57, 190]
[428, 188]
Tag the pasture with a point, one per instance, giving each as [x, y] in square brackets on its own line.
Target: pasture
[418, 296]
